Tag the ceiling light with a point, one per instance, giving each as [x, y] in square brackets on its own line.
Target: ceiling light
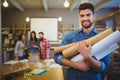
[5, 3]
[66, 4]
[27, 19]
[60, 19]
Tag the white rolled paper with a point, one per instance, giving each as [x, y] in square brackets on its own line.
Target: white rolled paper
[103, 47]
[106, 51]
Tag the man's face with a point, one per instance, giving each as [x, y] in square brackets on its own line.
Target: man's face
[86, 18]
[40, 36]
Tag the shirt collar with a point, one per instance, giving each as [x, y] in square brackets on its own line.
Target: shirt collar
[93, 30]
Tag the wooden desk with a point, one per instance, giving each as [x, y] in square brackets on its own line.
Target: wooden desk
[12, 70]
[52, 74]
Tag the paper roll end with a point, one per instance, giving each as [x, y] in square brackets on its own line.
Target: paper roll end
[57, 50]
[69, 53]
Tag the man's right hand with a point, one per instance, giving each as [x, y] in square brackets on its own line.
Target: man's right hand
[81, 65]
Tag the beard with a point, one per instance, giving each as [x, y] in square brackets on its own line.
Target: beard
[87, 26]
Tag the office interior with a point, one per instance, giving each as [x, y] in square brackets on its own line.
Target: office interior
[16, 19]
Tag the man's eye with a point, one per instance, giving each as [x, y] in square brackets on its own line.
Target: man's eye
[81, 15]
[88, 14]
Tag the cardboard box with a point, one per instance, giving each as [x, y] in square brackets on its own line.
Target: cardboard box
[33, 58]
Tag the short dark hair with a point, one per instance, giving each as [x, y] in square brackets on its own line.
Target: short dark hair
[41, 33]
[86, 6]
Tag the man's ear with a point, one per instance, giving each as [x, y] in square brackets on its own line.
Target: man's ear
[94, 16]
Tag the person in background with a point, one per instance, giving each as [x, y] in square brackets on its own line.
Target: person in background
[44, 46]
[20, 48]
[33, 43]
[89, 68]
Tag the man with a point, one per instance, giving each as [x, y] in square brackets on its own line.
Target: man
[89, 68]
[44, 46]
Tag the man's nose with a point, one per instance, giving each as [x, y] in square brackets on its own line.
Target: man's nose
[85, 17]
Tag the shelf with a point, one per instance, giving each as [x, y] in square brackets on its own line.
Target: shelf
[67, 29]
[64, 29]
[15, 31]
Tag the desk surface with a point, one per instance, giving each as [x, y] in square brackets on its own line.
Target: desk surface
[52, 74]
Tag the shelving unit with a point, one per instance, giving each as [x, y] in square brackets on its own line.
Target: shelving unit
[108, 16]
[114, 70]
[15, 32]
[65, 29]
[100, 26]
[9, 38]
[113, 15]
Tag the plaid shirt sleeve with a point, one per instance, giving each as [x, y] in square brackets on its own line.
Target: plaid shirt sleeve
[48, 44]
[46, 49]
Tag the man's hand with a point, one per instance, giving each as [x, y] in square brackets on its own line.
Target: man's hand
[81, 65]
[35, 46]
[84, 50]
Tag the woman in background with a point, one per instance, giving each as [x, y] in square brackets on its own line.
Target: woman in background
[33, 43]
[20, 47]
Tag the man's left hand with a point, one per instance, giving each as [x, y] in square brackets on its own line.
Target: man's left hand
[84, 50]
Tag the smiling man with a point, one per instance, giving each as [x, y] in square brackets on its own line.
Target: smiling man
[90, 68]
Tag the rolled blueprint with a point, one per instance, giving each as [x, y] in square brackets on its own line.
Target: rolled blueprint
[71, 52]
[102, 34]
[103, 47]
